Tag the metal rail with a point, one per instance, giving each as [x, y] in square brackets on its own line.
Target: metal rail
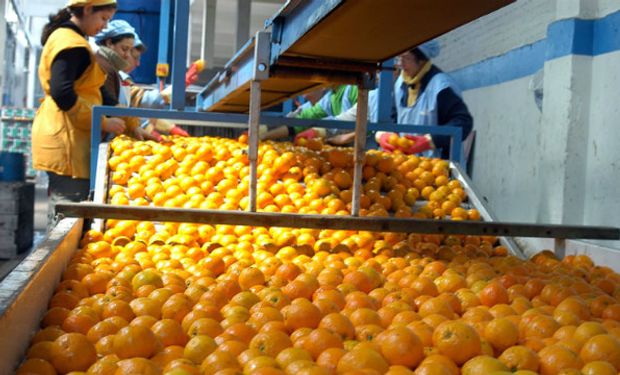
[374, 224]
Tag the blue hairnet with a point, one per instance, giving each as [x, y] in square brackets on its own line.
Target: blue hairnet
[138, 43]
[115, 28]
[430, 49]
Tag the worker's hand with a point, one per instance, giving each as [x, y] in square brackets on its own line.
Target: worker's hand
[113, 125]
[178, 131]
[383, 141]
[311, 133]
[420, 144]
[341, 139]
[295, 113]
[140, 134]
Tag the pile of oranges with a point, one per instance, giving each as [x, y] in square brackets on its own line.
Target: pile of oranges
[177, 299]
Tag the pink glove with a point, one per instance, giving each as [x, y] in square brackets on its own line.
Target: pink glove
[178, 131]
[157, 136]
[421, 143]
[308, 134]
[384, 142]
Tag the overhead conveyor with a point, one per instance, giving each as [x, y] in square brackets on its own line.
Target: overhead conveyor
[317, 42]
[309, 44]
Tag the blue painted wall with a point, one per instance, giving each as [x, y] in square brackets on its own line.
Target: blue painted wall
[143, 15]
[572, 36]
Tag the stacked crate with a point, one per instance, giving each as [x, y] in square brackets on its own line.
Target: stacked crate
[15, 134]
[16, 218]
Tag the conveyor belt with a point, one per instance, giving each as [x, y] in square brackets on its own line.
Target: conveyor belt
[316, 42]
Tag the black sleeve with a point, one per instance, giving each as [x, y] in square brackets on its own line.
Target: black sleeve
[68, 67]
[108, 98]
[452, 111]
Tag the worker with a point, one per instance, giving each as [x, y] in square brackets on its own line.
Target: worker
[72, 82]
[424, 95]
[332, 103]
[115, 43]
[132, 95]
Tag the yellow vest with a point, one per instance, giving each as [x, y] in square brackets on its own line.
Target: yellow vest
[61, 140]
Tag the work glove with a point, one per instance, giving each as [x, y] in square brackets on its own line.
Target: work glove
[167, 127]
[311, 133]
[421, 143]
[382, 139]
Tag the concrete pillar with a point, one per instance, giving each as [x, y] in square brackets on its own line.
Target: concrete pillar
[208, 32]
[565, 121]
[244, 11]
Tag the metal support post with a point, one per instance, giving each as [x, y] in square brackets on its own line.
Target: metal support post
[261, 73]
[164, 34]
[360, 147]
[386, 86]
[179, 57]
[253, 141]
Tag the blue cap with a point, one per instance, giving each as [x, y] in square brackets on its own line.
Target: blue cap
[114, 29]
[138, 43]
[430, 49]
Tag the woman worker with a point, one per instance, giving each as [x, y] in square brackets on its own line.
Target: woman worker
[424, 95]
[72, 82]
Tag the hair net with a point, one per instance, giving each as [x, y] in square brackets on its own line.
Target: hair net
[115, 28]
[430, 49]
[95, 3]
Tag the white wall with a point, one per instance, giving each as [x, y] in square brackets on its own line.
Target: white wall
[560, 164]
[507, 123]
[602, 204]
[520, 23]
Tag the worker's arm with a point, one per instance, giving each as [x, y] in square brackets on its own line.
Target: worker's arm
[67, 67]
[317, 111]
[452, 111]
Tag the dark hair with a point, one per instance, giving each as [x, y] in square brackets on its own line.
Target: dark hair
[116, 39]
[64, 15]
[418, 54]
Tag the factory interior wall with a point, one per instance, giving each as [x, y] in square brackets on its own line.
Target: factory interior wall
[602, 177]
[555, 161]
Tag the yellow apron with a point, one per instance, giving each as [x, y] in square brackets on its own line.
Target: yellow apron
[61, 140]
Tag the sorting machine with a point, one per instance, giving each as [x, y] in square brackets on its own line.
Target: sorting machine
[306, 45]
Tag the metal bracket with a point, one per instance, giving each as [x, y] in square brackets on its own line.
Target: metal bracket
[262, 54]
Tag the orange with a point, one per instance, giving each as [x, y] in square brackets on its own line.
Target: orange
[73, 352]
[135, 341]
[501, 333]
[198, 348]
[290, 355]
[602, 348]
[321, 339]
[218, 361]
[599, 368]
[250, 277]
[457, 340]
[362, 358]
[338, 324]
[400, 346]
[36, 366]
[329, 358]
[141, 366]
[483, 364]
[270, 343]
[520, 358]
[555, 358]
[493, 294]
[167, 355]
[205, 326]
[301, 313]
[169, 332]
